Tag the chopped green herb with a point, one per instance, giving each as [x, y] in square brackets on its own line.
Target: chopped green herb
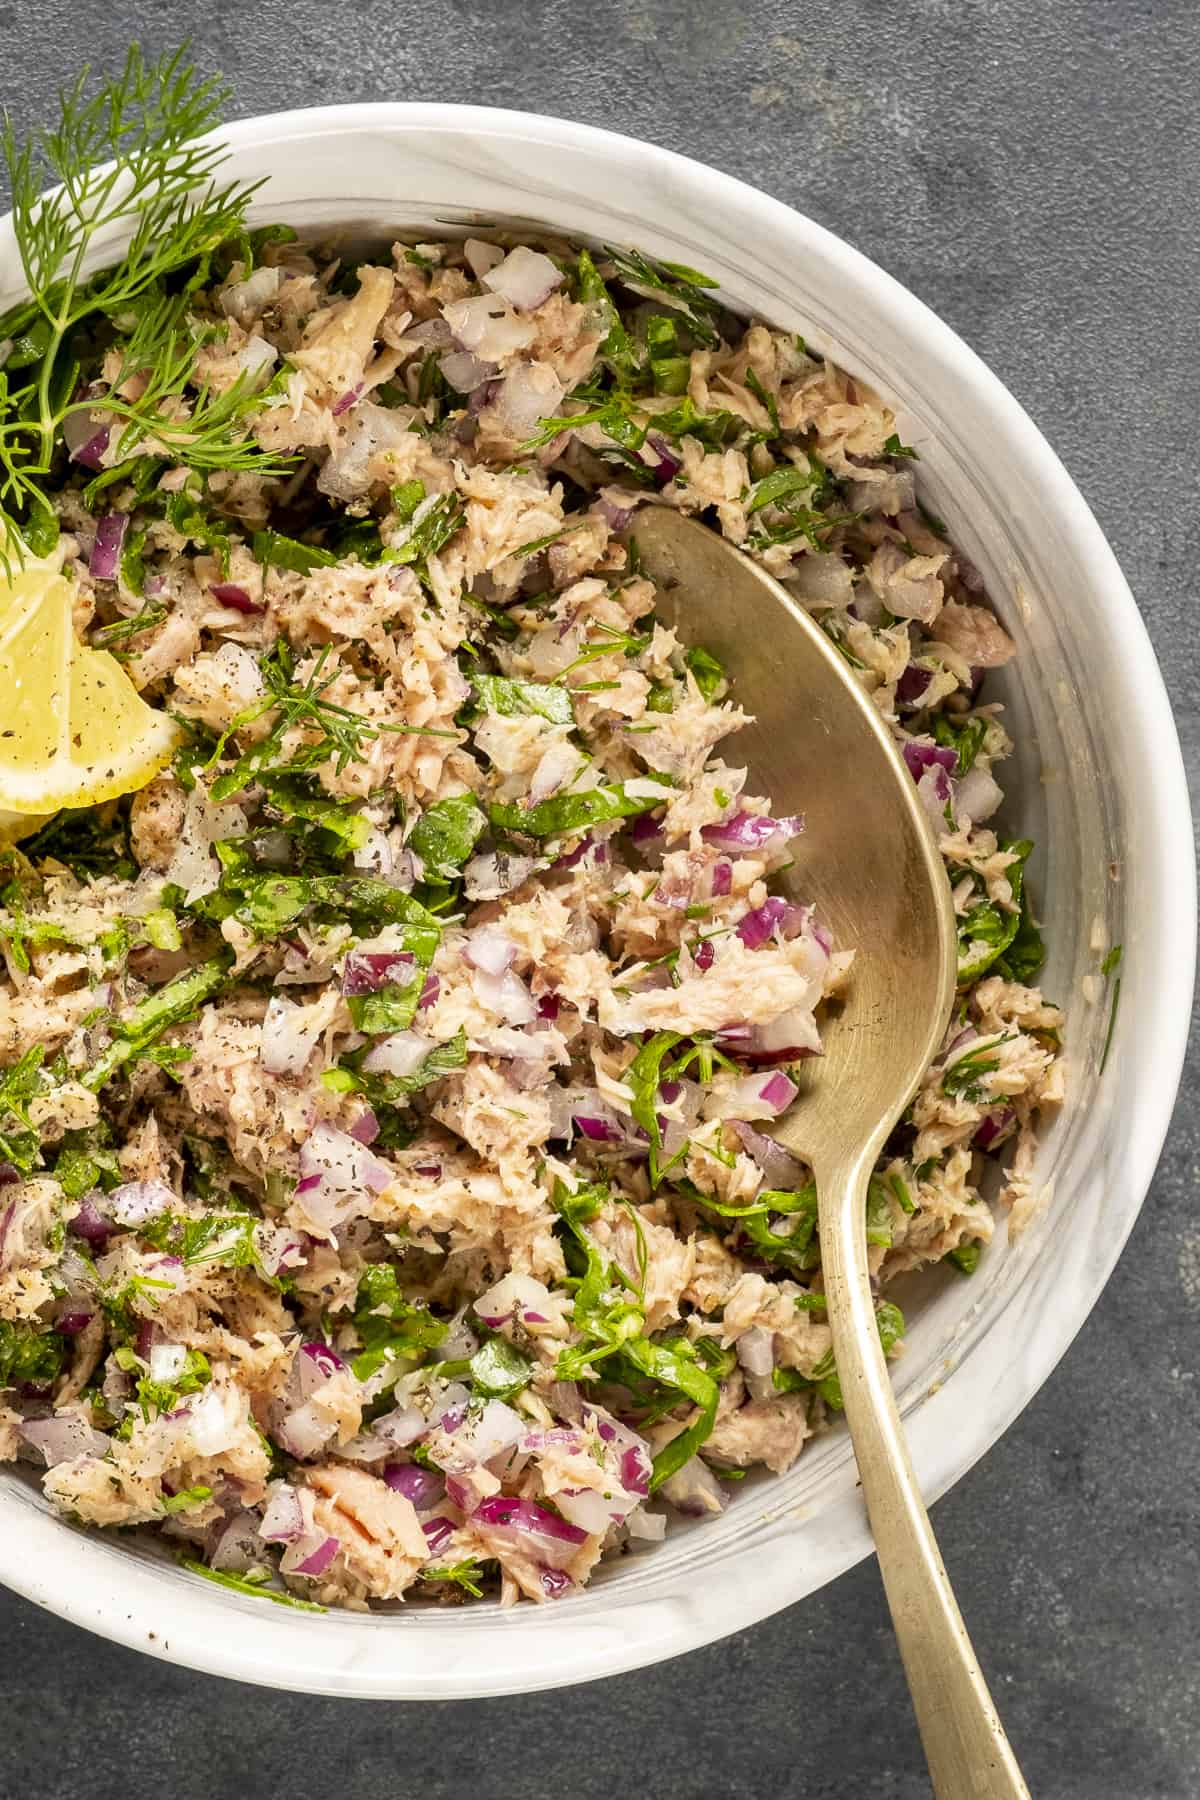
[256, 1587]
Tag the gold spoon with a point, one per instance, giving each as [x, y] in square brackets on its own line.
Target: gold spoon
[869, 864]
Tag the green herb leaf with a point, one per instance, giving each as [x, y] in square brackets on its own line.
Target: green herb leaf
[499, 1370]
[246, 1584]
[274, 551]
[445, 835]
[170, 1005]
[27, 1354]
[388, 1324]
[513, 698]
[19, 1084]
[708, 673]
[565, 814]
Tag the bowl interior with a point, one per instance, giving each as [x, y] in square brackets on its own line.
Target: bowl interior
[1084, 704]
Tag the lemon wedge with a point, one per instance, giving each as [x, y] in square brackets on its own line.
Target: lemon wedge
[74, 730]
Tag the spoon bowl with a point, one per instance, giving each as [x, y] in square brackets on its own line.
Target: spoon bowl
[869, 862]
[866, 861]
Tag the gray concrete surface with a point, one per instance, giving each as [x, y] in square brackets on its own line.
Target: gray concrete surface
[1030, 169]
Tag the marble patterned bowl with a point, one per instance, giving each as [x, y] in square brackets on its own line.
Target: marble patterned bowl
[1099, 784]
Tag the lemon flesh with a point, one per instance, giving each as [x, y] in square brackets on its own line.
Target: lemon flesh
[74, 731]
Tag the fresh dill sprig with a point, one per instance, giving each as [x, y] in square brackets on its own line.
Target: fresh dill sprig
[130, 153]
[340, 733]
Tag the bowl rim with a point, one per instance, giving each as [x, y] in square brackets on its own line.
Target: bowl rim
[95, 1583]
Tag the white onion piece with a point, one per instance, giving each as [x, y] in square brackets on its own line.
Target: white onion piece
[239, 1546]
[552, 650]
[652, 1527]
[520, 1297]
[256, 355]
[166, 1361]
[215, 1420]
[795, 1029]
[525, 277]
[371, 430]
[529, 392]
[481, 256]
[494, 873]
[244, 300]
[489, 950]
[487, 325]
[505, 994]
[756, 1350]
[289, 1036]
[695, 1490]
[193, 865]
[375, 854]
[821, 579]
[135, 1201]
[480, 1437]
[592, 1511]
[400, 1053]
[976, 796]
[463, 371]
[559, 766]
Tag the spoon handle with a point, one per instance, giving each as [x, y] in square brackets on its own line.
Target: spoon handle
[968, 1754]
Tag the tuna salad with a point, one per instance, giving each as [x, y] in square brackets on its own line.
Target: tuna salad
[388, 1201]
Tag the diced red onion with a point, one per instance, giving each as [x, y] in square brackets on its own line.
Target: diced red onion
[591, 1510]
[344, 1167]
[238, 1545]
[528, 393]
[366, 1127]
[547, 1006]
[520, 1297]
[429, 992]
[780, 1168]
[283, 1519]
[438, 1533]
[555, 1583]
[936, 793]
[507, 995]
[485, 324]
[479, 1436]
[662, 461]
[63, 1438]
[695, 1491]
[774, 915]
[600, 1131]
[311, 1556]
[90, 1224]
[912, 686]
[72, 1323]
[525, 1526]
[229, 594]
[722, 880]
[345, 401]
[85, 441]
[752, 831]
[106, 550]
[616, 508]
[646, 828]
[994, 1127]
[431, 1170]
[366, 971]
[921, 753]
[424, 1487]
[496, 872]
[704, 955]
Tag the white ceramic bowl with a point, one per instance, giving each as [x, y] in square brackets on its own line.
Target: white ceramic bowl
[1100, 786]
